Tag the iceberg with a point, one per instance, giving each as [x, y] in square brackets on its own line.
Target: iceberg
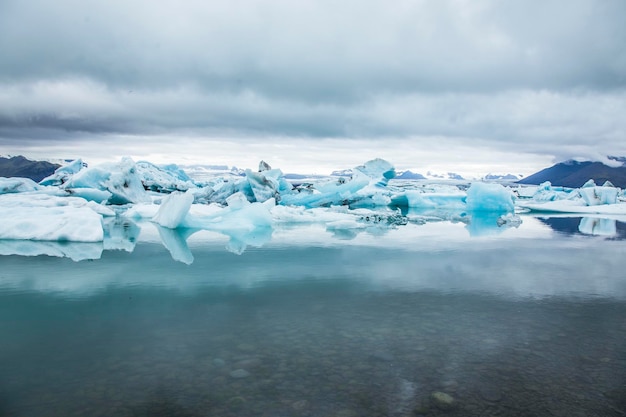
[102, 203]
[62, 174]
[547, 192]
[165, 179]
[421, 199]
[64, 224]
[173, 210]
[90, 194]
[267, 184]
[177, 217]
[589, 199]
[17, 185]
[42, 216]
[595, 196]
[377, 170]
[482, 196]
[366, 187]
[50, 200]
[120, 179]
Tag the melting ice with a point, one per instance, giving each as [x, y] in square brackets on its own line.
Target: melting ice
[107, 204]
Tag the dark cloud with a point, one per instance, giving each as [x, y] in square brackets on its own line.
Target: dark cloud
[318, 50]
[543, 76]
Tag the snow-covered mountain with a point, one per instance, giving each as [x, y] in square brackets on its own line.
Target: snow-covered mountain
[502, 177]
[445, 176]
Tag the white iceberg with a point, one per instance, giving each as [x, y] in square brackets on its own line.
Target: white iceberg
[120, 179]
[589, 199]
[164, 179]
[17, 185]
[366, 187]
[267, 184]
[547, 192]
[595, 196]
[64, 224]
[173, 210]
[42, 216]
[62, 174]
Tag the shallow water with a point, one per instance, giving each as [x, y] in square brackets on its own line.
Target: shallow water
[527, 322]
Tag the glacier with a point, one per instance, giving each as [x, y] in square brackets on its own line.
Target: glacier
[109, 205]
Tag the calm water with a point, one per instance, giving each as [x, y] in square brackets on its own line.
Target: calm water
[525, 321]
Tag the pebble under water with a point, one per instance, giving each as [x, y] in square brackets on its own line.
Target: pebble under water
[324, 333]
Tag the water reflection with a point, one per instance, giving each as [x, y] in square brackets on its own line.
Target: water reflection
[614, 228]
[122, 234]
[523, 322]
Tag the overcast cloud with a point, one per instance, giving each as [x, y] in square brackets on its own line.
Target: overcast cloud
[427, 84]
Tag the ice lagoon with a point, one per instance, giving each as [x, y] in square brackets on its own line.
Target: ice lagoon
[316, 311]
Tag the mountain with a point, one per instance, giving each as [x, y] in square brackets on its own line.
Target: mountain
[446, 176]
[409, 175]
[504, 177]
[574, 174]
[18, 166]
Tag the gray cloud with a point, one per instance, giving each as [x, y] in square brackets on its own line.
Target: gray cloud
[545, 77]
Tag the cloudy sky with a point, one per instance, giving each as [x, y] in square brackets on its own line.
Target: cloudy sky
[446, 85]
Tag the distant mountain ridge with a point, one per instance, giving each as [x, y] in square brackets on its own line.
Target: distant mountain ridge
[409, 175]
[19, 166]
[501, 177]
[574, 173]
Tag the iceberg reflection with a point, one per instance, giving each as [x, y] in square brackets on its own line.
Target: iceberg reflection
[76, 251]
[608, 227]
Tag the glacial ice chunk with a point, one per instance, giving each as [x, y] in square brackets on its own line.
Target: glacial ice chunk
[378, 170]
[49, 200]
[366, 187]
[482, 196]
[165, 179]
[595, 196]
[429, 200]
[64, 223]
[90, 194]
[547, 192]
[264, 184]
[173, 210]
[62, 174]
[264, 166]
[17, 185]
[120, 179]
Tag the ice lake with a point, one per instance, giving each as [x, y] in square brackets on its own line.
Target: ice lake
[525, 321]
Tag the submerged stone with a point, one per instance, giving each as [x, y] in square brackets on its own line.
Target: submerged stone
[442, 401]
